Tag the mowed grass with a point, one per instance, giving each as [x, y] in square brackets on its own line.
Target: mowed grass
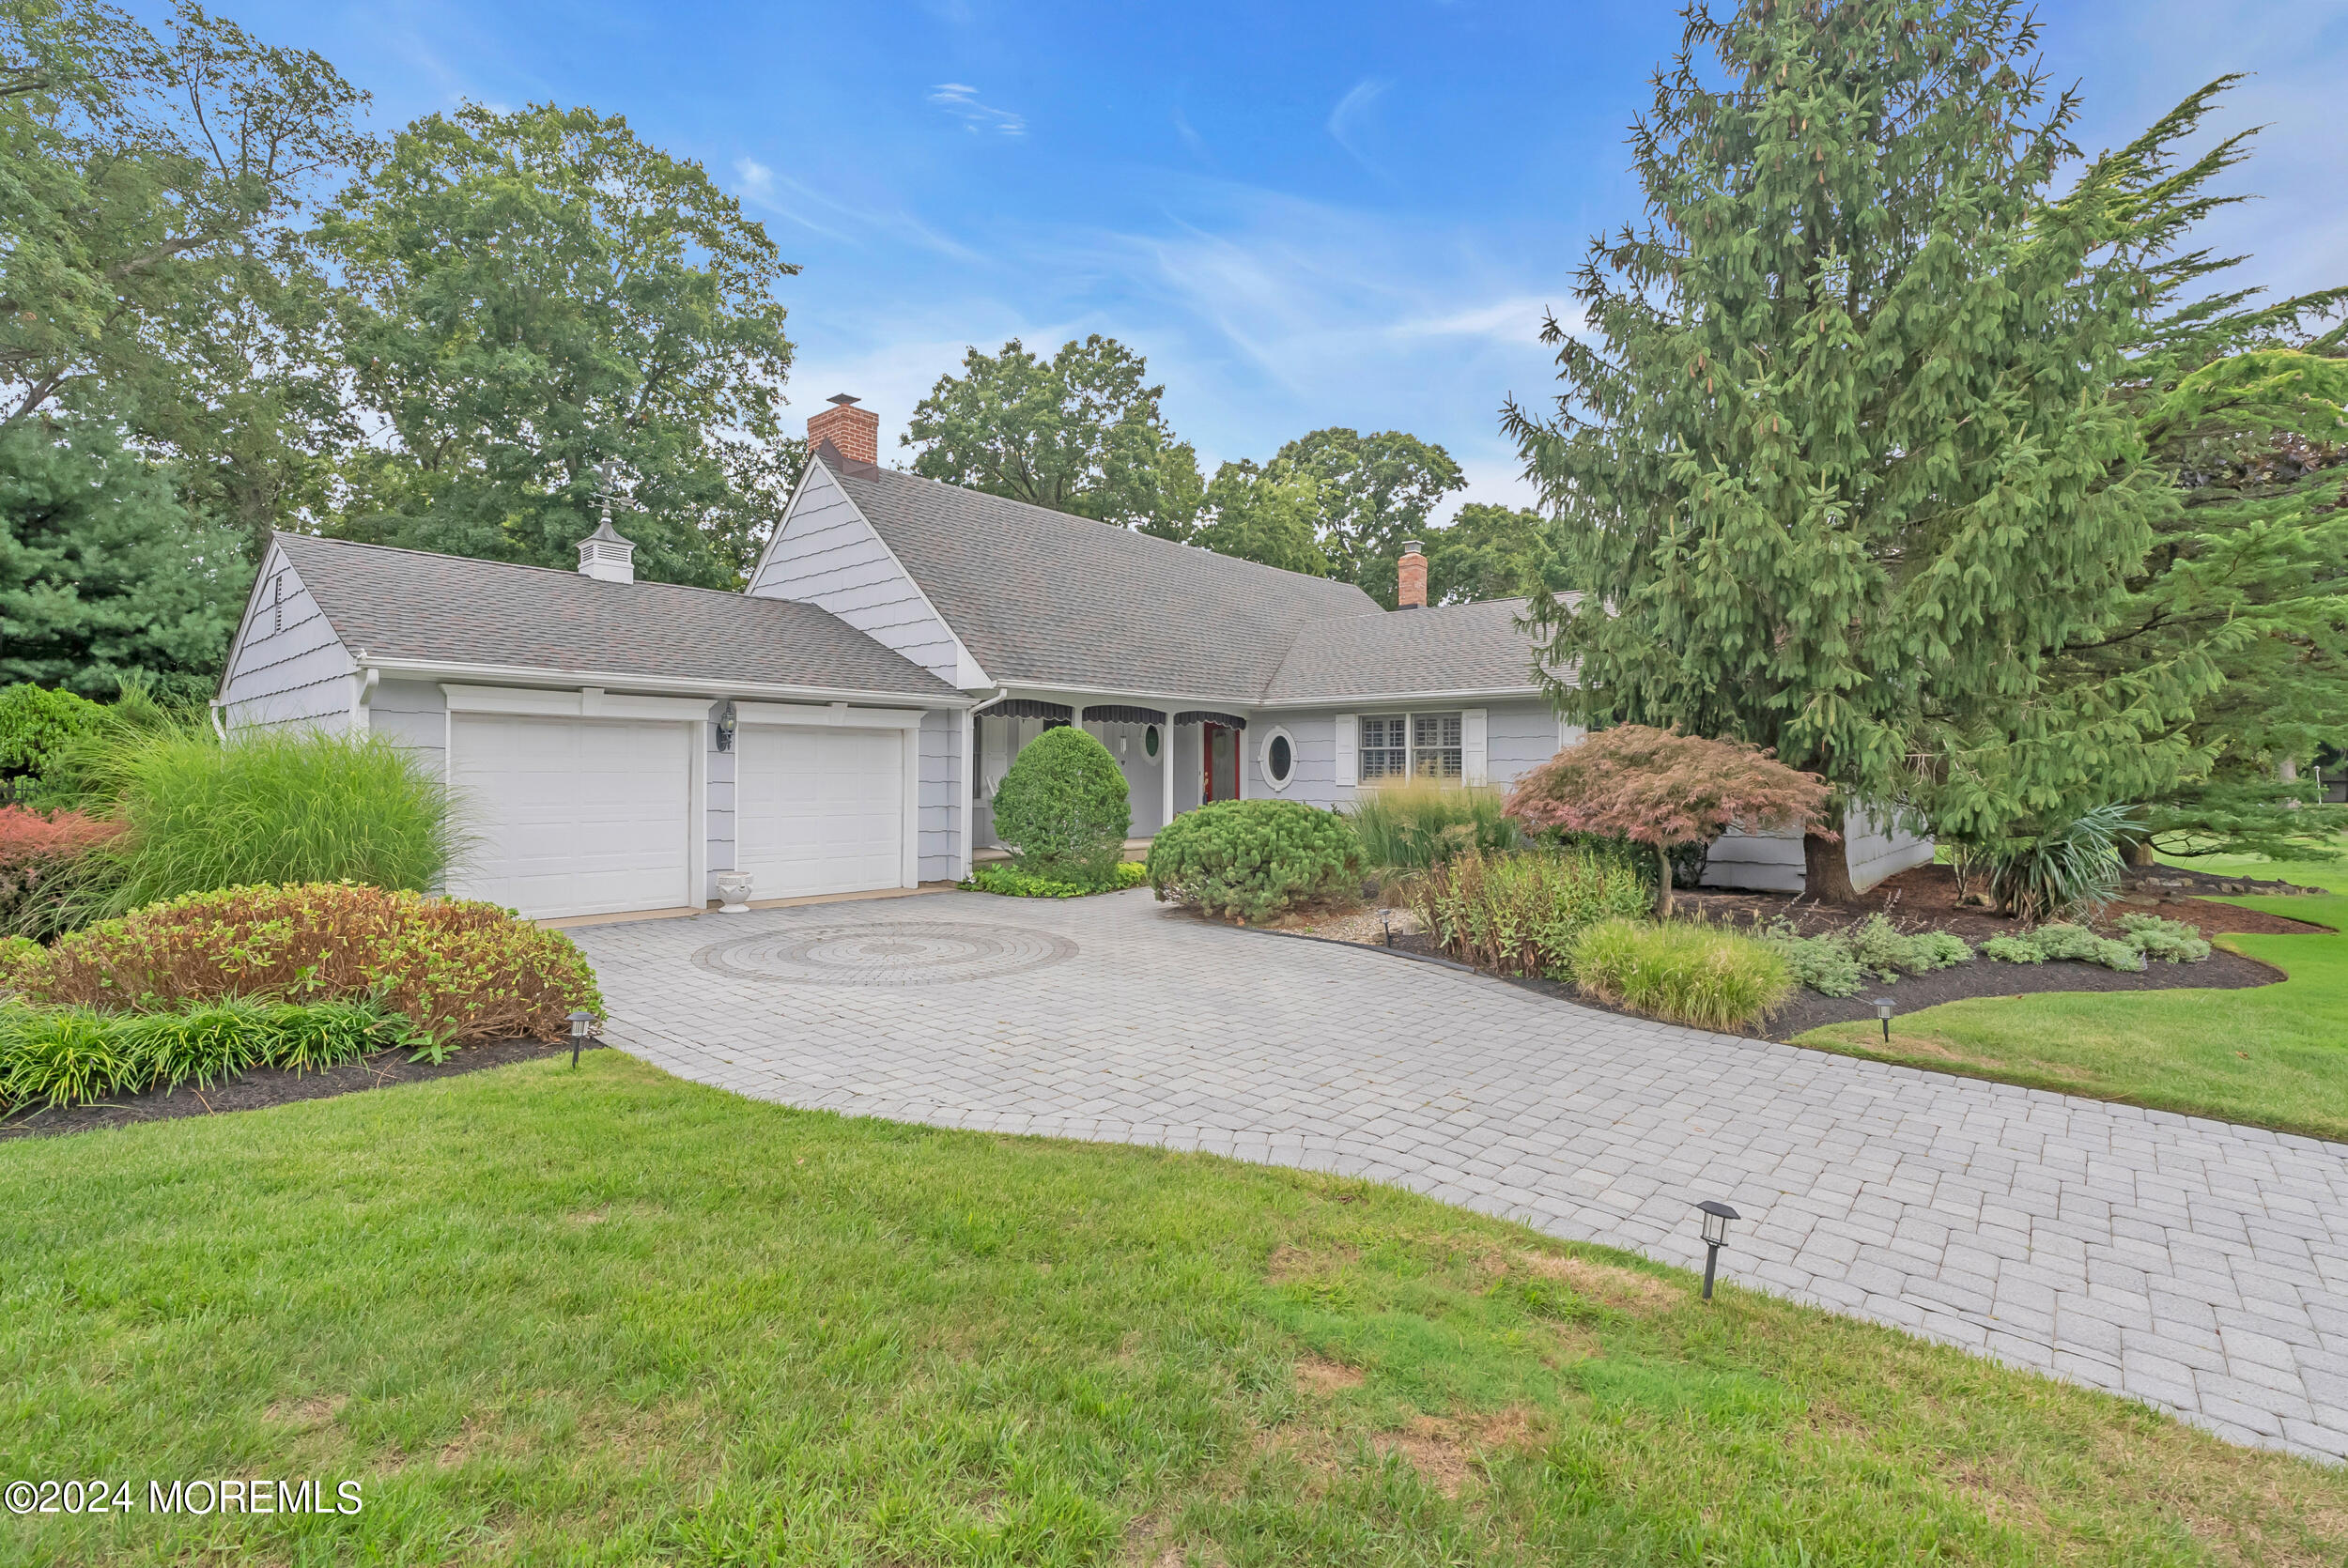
[2272, 1055]
[612, 1318]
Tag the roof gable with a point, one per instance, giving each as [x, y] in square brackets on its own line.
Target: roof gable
[1043, 598]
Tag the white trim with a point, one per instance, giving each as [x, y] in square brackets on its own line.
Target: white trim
[910, 856]
[833, 715]
[1474, 764]
[1166, 770]
[696, 809]
[965, 793]
[1421, 698]
[587, 703]
[1349, 742]
[1263, 758]
[574, 679]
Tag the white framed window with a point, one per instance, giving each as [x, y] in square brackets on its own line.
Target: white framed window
[1385, 747]
[1276, 757]
[1412, 745]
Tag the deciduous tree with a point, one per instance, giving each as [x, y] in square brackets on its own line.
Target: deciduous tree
[1374, 492]
[533, 294]
[1081, 432]
[1665, 789]
[1269, 515]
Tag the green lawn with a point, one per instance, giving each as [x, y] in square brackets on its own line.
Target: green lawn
[610, 1317]
[2274, 1056]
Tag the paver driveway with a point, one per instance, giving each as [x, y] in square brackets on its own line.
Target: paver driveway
[2195, 1265]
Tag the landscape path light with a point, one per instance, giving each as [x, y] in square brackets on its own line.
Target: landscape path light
[1716, 1218]
[1385, 919]
[583, 1024]
[1883, 1011]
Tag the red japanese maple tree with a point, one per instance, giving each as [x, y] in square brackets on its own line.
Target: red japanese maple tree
[1664, 788]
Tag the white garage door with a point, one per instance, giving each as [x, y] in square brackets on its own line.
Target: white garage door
[819, 811]
[575, 816]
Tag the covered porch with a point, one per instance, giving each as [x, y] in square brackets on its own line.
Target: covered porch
[1176, 756]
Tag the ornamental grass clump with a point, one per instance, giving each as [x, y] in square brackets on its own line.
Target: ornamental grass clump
[1699, 976]
[75, 1055]
[1253, 860]
[275, 807]
[1412, 823]
[459, 970]
[1063, 809]
[1520, 914]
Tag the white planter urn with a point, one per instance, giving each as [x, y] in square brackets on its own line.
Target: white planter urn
[733, 892]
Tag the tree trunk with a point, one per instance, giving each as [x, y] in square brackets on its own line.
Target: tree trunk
[1663, 887]
[1826, 870]
[2138, 852]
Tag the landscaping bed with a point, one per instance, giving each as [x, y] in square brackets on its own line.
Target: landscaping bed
[262, 1088]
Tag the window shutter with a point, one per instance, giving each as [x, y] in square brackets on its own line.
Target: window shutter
[1348, 750]
[1473, 769]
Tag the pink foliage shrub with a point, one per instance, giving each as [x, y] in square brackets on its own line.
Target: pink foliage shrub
[38, 856]
[1661, 788]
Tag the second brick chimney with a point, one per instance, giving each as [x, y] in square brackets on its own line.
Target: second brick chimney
[1409, 589]
[854, 432]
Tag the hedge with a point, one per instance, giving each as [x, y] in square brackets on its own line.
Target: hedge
[1253, 860]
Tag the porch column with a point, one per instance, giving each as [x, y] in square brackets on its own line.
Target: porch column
[1166, 770]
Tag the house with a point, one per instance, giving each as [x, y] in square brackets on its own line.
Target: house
[841, 725]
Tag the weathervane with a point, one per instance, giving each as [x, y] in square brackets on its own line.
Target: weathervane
[606, 487]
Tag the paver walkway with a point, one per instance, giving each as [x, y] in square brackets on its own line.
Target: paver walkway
[2195, 1265]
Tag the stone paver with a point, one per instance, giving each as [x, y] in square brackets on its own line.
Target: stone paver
[2195, 1265]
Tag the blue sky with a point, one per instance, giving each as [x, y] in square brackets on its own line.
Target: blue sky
[1304, 216]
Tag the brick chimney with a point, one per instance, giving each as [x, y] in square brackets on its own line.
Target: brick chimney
[854, 432]
[1410, 591]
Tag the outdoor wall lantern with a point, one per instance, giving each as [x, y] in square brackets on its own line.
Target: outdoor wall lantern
[1716, 1218]
[583, 1025]
[1883, 1011]
[725, 728]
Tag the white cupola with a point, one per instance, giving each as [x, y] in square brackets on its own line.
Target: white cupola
[606, 557]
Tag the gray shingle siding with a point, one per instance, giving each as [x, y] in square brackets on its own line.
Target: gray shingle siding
[827, 554]
[287, 666]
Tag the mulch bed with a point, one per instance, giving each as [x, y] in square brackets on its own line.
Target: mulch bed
[266, 1086]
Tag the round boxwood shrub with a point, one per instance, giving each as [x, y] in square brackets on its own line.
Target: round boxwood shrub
[1062, 808]
[1253, 860]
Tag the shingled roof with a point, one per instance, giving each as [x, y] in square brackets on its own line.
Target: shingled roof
[1043, 598]
[399, 604]
[1446, 648]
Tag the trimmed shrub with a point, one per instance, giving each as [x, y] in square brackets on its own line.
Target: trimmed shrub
[75, 1055]
[1013, 882]
[1694, 974]
[1253, 860]
[1520, 914]
[460, 969]
[2172, 941]
[1413, 823]
[2059, 940]
[278, 807]
[1063, 808]
[37, 724]
[51, 871]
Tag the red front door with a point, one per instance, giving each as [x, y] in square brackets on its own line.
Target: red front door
[1218, 746]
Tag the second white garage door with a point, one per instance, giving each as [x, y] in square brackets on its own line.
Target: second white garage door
[572, 816]
[819, 811]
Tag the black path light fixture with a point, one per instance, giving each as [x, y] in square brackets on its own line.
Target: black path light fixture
[1716, 1218]
[1883, 1011]
[582, 1027]
[1385, 920]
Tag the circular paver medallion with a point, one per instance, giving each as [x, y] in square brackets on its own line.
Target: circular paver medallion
[900, 953]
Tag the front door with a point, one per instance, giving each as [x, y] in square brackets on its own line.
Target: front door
[1219, 747]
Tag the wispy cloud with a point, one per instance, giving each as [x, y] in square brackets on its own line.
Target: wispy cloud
[1191, 138]
[1345, 120]
[962, 102]
[848, 223]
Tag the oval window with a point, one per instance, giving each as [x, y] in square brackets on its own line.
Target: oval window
[1279, 757]
[1150, 740]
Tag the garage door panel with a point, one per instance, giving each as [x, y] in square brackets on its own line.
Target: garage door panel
[575, 816]
[820, 811]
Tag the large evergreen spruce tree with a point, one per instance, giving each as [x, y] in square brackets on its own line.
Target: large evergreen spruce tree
[1834, 465]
